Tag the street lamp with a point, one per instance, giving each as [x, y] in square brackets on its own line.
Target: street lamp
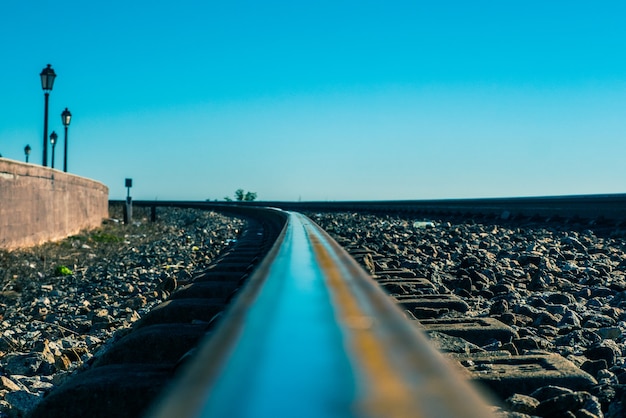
[53, 141]
[27, 151]
[66, 116]
[47, 81]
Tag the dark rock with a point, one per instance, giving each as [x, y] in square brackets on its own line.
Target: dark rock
[604, 392]
[584, 338]
[507, 318]
[603, 351]
[26, 364]
[569, 319]
[615, 410]
[571, 402]
[481, 281]
[547, 392]
[499, 307]
[522, 403]
[594, 366]
[451, 344]
[537, 302]
[619, 300]
[545, 318]
[22, 402]
[561, 299]
[470, 261]
[502, 288]
[530, 258]
[607, 377]
[525, 343]
[527, 311]
[601, 292]
[541, 280]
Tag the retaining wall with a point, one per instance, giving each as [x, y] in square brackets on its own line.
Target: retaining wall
[39, 204]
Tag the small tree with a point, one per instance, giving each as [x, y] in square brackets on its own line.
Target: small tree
[242, 196]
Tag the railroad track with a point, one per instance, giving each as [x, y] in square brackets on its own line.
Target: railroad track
[309, 334]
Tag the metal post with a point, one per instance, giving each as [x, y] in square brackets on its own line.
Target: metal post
[53, 147]
[65, 152]
[66, 117]
[128, 211]
[53, 141]
[45, 130]
[47, 81]
[128, 207]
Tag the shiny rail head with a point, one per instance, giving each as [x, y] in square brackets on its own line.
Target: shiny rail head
[312, 335]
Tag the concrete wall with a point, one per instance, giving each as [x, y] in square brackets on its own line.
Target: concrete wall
[38, 204]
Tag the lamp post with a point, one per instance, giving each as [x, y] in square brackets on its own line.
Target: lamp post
[27, 151]
[47, 81]
[53, 141]
[66, 116]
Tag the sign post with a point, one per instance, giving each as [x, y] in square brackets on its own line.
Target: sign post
[128, 207]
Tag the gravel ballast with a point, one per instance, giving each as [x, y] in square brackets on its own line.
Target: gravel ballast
[561, 288]
[63, 302]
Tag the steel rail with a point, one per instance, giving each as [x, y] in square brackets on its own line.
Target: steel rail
[124, 378]
[312, 335]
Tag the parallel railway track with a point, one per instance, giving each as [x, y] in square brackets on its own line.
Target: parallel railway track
[309, 334]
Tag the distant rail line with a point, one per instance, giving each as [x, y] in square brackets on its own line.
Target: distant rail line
[286, 323]
[601, 208]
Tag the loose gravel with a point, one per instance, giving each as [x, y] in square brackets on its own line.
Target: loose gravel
[561, 287]
[62, 302]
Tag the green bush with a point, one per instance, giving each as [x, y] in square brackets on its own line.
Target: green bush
[62, 271]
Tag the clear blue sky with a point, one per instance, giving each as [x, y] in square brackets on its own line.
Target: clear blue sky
[323, 100]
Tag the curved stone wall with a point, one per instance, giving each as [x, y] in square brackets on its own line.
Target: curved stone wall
[39, 204]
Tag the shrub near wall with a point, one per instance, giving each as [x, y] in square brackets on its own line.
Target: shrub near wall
[39, 204]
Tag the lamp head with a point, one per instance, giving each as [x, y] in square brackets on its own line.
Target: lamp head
[66, 117]
[47, 78]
